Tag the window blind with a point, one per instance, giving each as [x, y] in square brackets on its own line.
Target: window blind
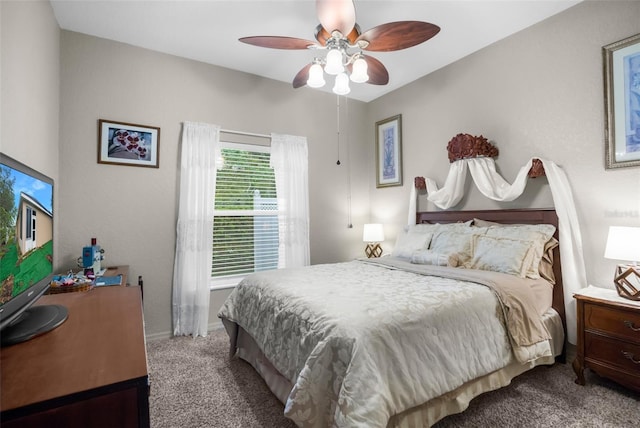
[245, 226]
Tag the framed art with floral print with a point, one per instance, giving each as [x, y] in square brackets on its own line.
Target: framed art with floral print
[622, 102]
[128, 144]
[389, 152]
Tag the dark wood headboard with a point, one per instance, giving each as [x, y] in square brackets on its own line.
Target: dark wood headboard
[511, 216]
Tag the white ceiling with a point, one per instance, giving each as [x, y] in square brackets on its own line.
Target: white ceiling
[208, 31]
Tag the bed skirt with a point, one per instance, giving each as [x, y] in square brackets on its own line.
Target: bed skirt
[425, 415]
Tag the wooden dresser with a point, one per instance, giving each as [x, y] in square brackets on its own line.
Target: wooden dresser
[89, 372]
[608, 336]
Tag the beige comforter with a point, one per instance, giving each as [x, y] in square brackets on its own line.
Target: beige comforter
[362, 341]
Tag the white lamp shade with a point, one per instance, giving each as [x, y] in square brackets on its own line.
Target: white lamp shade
[373, 232]
[359, 71]
[623, 243]
[342, 84]
[316, 76]
[334, 62]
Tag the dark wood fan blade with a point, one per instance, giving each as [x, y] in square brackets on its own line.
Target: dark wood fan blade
[336, 15]
[301, 78]
[394, 36]
[354, 34]
[277, 42]
[378, 74]
[322, 35]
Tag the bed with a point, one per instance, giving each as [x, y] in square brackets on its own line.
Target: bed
[467, 301]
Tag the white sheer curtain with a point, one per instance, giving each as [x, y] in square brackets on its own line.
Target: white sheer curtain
[289, 160]
[493, 186]
[194, 240]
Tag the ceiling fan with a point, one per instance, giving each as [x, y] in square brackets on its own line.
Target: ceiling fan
[339, 35]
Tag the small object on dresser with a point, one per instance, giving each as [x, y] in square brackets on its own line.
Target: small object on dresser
[102, 281]
[623, 243]
[69, 283]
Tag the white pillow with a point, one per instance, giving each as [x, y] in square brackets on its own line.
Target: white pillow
[408, 242]
[512, 256]
[428, 257]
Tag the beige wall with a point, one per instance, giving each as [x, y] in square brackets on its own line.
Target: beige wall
[132, 211]
[30, 87]
[536, 93]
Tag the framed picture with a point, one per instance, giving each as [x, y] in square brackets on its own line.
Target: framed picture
[389, 152]
[128, 144]
[622, 102]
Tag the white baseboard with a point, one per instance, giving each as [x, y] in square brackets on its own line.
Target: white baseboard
[158, 336]
[214, 326]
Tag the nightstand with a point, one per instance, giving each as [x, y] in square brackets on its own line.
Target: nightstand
[608, 336]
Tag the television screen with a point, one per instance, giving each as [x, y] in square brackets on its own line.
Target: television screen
[26, 242]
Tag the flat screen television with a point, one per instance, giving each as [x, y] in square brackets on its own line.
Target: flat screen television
[26, 253]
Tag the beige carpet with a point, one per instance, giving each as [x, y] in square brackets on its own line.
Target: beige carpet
[195, 384]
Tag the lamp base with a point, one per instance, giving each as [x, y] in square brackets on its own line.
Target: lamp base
[627, 281]
[373, 250]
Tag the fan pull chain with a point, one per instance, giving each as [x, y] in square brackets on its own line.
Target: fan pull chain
[338, 126]
[349, 223]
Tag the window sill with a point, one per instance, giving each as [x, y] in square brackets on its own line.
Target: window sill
[224, 284]
[221, 287]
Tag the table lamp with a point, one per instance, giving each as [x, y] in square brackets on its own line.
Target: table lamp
[373, 234]
[623, 243]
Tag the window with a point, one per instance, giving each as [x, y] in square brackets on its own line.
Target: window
[31, 223]
[245, 225]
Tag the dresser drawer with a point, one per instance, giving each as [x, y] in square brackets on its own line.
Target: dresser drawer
[624, 324]
[625, 356]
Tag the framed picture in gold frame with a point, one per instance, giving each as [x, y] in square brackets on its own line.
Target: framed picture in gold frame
[389, 152]
[622, 102]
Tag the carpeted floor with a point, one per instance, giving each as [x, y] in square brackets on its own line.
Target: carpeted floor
[195, 384]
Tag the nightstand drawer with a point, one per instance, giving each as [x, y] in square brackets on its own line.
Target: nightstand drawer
[624, 324]
[626, 356]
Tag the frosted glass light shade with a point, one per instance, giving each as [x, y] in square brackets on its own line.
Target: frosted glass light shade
[334, 62]
[623, 243]
[359, 71]
[316, 76]
[341, 86]
[373, 232]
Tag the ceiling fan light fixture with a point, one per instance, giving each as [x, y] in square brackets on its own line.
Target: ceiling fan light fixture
[338, 35]
[316, 76]
[359, 71]
[341, 86]
[334, 64]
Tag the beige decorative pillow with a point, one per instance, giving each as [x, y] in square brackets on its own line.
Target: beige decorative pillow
[537, 234]
[428, 257]
[546, 264]
[449, 242]
[485, 223]
[499, 254]
[408, 242]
